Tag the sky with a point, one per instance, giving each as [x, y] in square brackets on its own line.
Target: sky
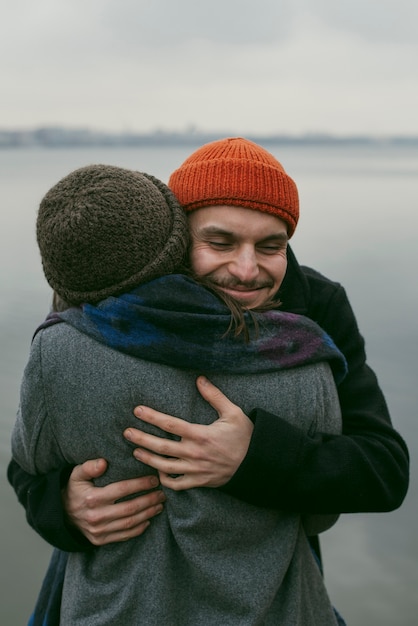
[238, 66]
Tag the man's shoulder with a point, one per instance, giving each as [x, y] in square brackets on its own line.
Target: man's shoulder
[306, 289]
[327, 302]
[314, 277]
[321, 290]
[311, 272]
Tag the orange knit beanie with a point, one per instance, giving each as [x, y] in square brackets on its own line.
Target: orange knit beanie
[237, 172]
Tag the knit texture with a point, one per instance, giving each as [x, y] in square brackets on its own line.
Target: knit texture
[102, 230]
[208, 558]
[175, 321]
[236, 172]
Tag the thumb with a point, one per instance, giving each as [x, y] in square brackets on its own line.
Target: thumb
[89, 470]
[213, 395]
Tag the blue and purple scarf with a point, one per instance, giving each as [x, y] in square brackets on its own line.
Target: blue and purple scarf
[175, 321]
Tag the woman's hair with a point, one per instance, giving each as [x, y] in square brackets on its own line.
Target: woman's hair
[58, 304]
[238, 324]
[240, 316]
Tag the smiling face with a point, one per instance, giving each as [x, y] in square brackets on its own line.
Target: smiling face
[242, 251]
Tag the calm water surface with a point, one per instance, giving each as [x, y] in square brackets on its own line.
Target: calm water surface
[359, 223]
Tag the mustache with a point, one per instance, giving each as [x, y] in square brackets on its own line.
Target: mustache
[232, 283]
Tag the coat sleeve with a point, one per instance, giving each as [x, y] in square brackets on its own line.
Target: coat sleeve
[37, 471]
[40, 495]
[34, 445]
[365, 469]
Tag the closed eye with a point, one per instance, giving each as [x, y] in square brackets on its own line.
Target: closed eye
[220, 244]
[272, 248]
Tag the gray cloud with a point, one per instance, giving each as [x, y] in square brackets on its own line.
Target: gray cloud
[291, 65]
[48, 27]
[167, 22]
[390, 21]
[246, 21]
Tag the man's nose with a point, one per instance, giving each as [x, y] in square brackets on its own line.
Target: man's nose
[244, 266]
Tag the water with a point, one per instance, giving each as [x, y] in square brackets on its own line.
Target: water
[359, 223]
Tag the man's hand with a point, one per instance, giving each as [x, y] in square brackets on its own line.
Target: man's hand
[94, 512]
[206, 455]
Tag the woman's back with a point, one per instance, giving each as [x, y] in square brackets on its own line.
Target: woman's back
[208, 558]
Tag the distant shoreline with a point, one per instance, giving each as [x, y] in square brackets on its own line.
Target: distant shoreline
[61, 137]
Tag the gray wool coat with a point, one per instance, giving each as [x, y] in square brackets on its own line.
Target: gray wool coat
[208, 559]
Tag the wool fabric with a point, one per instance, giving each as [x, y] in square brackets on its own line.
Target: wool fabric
[102, 230]
[175, 321]
[236, 172]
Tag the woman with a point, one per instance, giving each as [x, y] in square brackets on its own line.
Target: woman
[108, 238]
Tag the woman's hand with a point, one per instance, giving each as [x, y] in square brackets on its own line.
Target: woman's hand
[206, 455]
[96, 512]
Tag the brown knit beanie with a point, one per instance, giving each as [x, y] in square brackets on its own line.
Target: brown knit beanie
[237, 172]
[102, 230]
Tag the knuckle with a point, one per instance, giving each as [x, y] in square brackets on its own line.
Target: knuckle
[143, 528]
[90, 500]
[147, 482]
[195, 454]
[173, 470]
[126, 488]
[121, 490]
[96, 537]
[93, 519]
[96, 541]
[203, 438]
[128, 523]
[164, 448]
[133, 507]
[168, 425]
[139, 530]
[153, 498]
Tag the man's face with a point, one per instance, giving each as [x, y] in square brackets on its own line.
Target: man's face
[243, 251]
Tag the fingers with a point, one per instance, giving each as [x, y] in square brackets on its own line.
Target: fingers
[122, 521]
[117, 536]
[89, 470]
[182, 481]
[205, 455]
[99, 513]
[213, 395]
[168, 465]
[167, 423]
[176, 484]
[159, 445]
[102, 496]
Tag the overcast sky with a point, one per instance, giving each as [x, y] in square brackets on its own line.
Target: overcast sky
[263, 66]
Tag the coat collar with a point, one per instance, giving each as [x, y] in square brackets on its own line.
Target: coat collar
[294, 292]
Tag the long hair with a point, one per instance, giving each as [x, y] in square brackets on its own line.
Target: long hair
[59, 304]
[240, 316]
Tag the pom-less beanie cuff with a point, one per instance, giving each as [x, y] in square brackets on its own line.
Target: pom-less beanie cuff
[236, 172]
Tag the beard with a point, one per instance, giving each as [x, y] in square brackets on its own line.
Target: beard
[233, 283]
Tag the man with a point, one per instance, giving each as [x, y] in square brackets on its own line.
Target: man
[226, 189]
[144, 332]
